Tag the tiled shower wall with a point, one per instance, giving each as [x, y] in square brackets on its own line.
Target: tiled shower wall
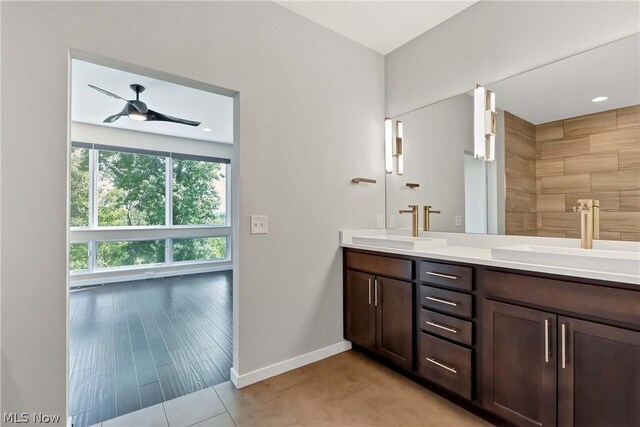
[596, 156]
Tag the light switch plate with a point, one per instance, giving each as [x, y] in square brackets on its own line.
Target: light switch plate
[259, 224]
[458, 220]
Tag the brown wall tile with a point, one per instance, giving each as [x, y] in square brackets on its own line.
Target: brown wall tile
[566, 183]
[616, 140]
[633, 237]
[517, 164]
[549, 131]
[592, 123]
[550, 203]
[629, 116]
[565, 147]
[548, 167]
[628, 159]
[517, 202]
[523, 184]
[551, 233]
[630, 201]
[620, 221]
[587, 163]
[560, 221]
[628, 179]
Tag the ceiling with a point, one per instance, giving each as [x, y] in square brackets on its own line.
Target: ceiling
[89, 106]
[379, 25]
[564, 89]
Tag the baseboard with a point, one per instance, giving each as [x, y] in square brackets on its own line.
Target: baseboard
[287, 365]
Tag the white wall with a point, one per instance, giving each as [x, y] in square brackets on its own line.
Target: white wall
[435, 138]
[492, 40]
[311, 105]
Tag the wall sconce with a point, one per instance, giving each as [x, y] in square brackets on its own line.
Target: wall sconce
[388, 142]
[393, 146]
[484, 123]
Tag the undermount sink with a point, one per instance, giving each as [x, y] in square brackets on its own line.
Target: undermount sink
[622, 262]
[401, 242]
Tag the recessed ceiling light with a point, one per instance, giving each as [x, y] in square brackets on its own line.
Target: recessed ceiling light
[209, 129]
[599, 98]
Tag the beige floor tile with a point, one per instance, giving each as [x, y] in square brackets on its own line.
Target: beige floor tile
[222, 420]
[194, 407]
[286, 380]
[153, 416]
[268, 414]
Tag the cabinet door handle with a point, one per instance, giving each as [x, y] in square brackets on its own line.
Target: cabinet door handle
[446, 276]
[375, 288]
[564, 345]
[442, 301]
[442, 365]
[455, 331]
[547, 325]
[369, 291]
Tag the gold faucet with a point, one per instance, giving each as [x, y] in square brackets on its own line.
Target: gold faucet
[426, 213]
[589, 221]
[414, 219]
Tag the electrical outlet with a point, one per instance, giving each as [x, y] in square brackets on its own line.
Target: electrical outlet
[379, 221]
[458, 220]
[259, 224]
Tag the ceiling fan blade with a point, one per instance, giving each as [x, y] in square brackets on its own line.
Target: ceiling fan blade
[112, 119]
[159, 117]
[138, 105]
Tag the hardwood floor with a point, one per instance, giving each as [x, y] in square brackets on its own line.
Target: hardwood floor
[348, 389]
[136, 344]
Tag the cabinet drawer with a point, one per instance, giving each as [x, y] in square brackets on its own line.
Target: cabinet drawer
[446, 326]
[382, 265]
[450, 276]
[612, 304]
[446, 364]
[444, 301]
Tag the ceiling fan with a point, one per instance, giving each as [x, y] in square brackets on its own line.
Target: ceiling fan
[138, 110]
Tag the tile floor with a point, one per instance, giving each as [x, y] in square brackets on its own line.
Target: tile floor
[348, 389]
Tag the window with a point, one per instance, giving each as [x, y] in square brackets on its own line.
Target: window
[199, 190]
[125, 253]
[198, 249]
[173, 206]
[79, 177]
[131, 189]
[78, 256]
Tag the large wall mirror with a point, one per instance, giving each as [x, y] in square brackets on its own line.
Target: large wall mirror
[566, 131]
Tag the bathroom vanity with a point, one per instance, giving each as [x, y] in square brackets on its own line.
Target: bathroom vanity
[531, 347]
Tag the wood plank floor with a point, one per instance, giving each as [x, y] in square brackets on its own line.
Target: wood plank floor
[136, 344]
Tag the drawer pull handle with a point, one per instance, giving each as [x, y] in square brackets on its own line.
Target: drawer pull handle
[455, 331]
[442, 301]
[442, 365]
[446, 276]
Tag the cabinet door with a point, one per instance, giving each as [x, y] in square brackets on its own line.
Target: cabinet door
[395, 321]
[360, 311]
[599, 381]
[519, 364]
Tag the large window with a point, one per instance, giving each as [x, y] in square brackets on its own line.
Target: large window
[172, 206]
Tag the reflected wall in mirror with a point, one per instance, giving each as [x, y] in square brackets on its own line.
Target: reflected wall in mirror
[554, 145]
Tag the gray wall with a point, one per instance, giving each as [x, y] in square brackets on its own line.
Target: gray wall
[492, 40]
[311, 109]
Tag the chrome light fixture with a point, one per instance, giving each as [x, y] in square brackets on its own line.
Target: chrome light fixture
[393, 146]
[484, 123]
[398, 148]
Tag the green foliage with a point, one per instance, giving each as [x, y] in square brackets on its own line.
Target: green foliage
[199, 249]
[78, 256]
[137, 252]
[79, 178]
[195, 197]
[131, 189]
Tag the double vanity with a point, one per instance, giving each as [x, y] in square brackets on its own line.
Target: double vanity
[535, 331]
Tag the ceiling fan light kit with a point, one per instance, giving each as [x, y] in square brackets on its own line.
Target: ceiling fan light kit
[138, 110]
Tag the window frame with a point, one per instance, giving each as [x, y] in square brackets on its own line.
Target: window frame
[95, 233]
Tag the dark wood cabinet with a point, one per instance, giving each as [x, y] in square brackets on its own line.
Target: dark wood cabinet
[598, 375]
[519, 358]
[394, 321]
[360, 309]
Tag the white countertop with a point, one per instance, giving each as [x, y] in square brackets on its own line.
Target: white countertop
[476, 249]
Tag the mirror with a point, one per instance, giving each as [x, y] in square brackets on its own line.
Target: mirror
[557, 141]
